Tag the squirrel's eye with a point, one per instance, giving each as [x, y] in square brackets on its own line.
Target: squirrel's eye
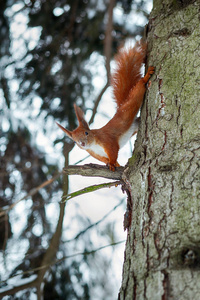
[86, 133]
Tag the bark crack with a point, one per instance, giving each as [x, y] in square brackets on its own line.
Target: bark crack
[165, 284]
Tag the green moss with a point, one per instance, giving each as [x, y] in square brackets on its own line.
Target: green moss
[133, 160]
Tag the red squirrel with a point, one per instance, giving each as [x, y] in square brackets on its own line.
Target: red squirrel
[128, 89]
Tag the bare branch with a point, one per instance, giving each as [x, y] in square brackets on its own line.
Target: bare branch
[34, 283]
[97, 102]
[91, 251]
[94, 170]
[94, 224]
[108, 37]
[107, 53]
[31, 193]
[6, 232]
[14, 289]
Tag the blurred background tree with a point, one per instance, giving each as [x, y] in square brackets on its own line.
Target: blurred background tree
[50, 53]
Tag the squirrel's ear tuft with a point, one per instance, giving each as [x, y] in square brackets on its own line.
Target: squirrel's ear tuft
[80, 116]
[69, 133]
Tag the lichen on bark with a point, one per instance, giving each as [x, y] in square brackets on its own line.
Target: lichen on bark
[162, 256]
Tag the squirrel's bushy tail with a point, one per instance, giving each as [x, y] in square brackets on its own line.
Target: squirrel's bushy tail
[128, 70]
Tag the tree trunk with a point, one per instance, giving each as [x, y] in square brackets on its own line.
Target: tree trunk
[162, 256]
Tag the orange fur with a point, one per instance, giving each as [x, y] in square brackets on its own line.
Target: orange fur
[129, 89]
[128, 70]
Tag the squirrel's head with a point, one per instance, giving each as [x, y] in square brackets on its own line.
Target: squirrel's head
[82, 135]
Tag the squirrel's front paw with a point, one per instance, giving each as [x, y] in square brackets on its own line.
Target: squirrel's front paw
[112, 167]
[151, 70]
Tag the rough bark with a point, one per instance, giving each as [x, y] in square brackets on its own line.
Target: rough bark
[162, 256]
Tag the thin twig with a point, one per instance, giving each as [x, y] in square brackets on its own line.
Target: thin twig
[94, 224]
[34, 283]
[30, 194]
[90, 189]
[107, 54]
[97, 102]
[108, 37]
